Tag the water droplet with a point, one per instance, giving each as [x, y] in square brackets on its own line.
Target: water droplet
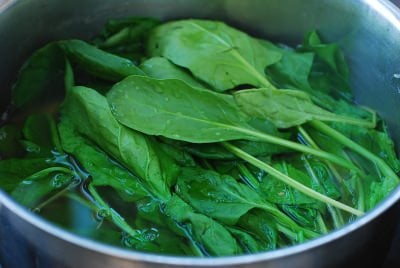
[166, 99]
[397, 76]
[218, 133]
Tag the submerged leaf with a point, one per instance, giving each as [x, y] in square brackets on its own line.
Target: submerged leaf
[41, 73]
[209, 233]
[91, 117]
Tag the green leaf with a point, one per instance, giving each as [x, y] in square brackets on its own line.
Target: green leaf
[285, 107]
[161, 68]
[215, 53]
[379, 190]
[292, 70]
[209, 233]
[91, 116]
[179, 111]
[41, 73]
[102, 169]
[216, 151]
[219, 197]
[115, 25]
[13, 171]
[34, 188]
[98, 62]
[377, 142]
[246, 240]
[263, 226]
[278, 192]
[224, 199]
[126, 37]
[330, 72]
[37, 130]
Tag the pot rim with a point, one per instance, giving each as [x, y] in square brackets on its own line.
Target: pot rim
[387, 10]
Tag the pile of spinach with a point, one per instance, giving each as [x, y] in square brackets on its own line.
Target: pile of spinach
[193, 138]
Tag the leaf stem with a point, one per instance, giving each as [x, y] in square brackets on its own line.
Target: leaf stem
[51, 199]
[386, 170]
[301, 148]
[248, 177]
[291, 182]
[115, 217]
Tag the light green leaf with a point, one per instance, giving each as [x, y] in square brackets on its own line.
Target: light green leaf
[214, 52]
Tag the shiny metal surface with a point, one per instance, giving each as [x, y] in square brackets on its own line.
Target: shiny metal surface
[368, 30]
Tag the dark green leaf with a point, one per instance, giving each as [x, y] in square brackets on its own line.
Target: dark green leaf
[98, 62]
[262, 225]
[209, 233]
[246, 240]
[13, 171]
[34, 188]
[329, 72]
[91, 116]
[37, 130]
[103, 170]
[41, 73]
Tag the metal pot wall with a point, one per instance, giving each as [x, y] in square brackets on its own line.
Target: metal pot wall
[369, 32]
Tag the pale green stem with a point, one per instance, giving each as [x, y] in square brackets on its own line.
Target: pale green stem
[385, 169]
[289, 181]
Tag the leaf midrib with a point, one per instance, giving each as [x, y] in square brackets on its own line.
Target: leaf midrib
[236, 54]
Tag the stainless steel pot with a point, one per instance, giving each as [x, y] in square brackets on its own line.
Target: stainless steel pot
[369, 32]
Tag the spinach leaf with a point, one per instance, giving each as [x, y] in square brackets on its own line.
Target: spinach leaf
[176, 109]
[209, 233]
[246, 240]
[126, 37]
[262, 225]
[14, 170]
[98, 62]
[37, 130]
[219, 197]
[161, 68]
[292, 70]
[41, 73]
[91, 116]
[224, 199]
[330, 71]
[377, 142]
[379, 190]
[114, 26]
[215, 53]
[216, 151]
[286, 108]
[277, 192]
[103, 170]
[38, 185]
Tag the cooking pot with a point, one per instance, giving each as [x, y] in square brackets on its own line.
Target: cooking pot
[367, 30]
